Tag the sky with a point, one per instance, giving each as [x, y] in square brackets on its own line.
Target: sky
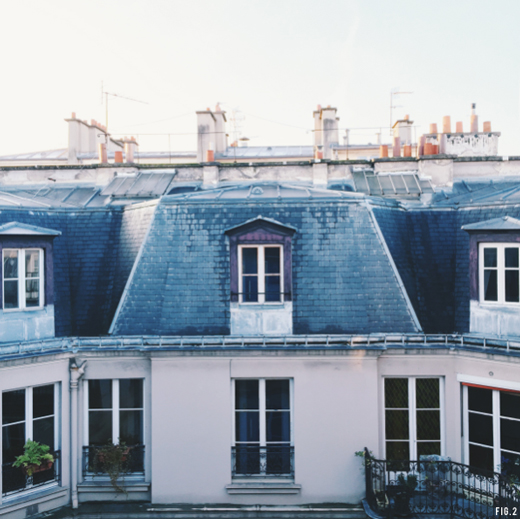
[268, 62]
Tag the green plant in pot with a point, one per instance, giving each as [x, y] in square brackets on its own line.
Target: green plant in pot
[403, 493]
[35, 458]
[112, 459]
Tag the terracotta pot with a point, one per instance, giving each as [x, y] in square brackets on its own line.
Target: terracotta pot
[34, 469]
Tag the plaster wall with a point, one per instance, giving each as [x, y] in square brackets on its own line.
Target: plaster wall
[494, 319]
[469, 144]
[261, 319]
[27, 325]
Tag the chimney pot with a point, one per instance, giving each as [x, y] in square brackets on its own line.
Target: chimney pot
[102, 151]
[210, 156]
[73, 115]
[407, 150]
[406, 117]
[459, 127]
[446, 124]
[383, 151]
[208, 110]
[118, 157]
[487, 126]
[428, 148]
[319, 108]
[433, 128]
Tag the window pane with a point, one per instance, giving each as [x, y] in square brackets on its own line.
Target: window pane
[272, 260]
[512, 292]
[397, 451]
[428, 425]
[511, 257]
[10, 264]
[250, 260]
[32, 263]
[250, 289]
[396, 425]
[510, 435]
[490, 257]
[396, 392]
[43, 401]
[32, 292]
[13, 406]
[479, 399]
[277, 394]
[43, 431]
[510, 404]
[13, 440]
[10, 294]
[490, 285]
[131, 427]
[100, 427]
[277, 425]
[427, 393]
[246, 394]
[272, 288]
[481, 457]
[131, 393]
[427, 448]
[100, 394]
[480, 429]
[247, 426]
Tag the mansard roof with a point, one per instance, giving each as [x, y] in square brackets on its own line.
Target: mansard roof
[504, 223]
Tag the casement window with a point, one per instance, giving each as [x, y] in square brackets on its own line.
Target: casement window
[413, 417]
[499, 272]
[260, 273]
[263, 428]
[23, 280]
[492, 429]
[29, 414]
[115, 416]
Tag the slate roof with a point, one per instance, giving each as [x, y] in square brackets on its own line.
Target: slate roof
[504, 223]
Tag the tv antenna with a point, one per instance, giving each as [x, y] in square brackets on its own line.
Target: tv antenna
[106, 94]
[392, 106]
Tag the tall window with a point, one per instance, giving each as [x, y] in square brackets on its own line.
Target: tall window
[115, 411]
[22, 278]
[413, 417]
[263, 439]
[492, 429]
[27, 414]
[499, 272]
[260, 276]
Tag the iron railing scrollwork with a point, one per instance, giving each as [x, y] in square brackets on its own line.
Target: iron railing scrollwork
[15, 479]
[424, 487]
[267, 461]
[95, 462]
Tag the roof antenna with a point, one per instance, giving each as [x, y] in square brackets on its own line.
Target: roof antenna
[106, 94]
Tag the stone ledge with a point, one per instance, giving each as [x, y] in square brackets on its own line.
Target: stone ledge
[32, 497]
[267, 487]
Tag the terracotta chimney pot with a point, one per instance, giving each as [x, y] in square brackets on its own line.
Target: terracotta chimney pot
[210, 156]
[459, 127]
[73, 115]
[433, 128]
[428, 148]
[446, 124]
[407, 150]
[118, 157]
[487, 126]
[383, 151]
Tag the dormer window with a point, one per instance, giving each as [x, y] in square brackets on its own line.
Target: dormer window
[23, 278]
[499, 272]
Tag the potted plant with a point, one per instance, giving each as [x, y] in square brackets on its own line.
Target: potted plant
[36, 458]
[112, 459]
[403, 492]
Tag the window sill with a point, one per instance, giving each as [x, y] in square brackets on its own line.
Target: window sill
[31, 309]
[263, 486]
[32, 497]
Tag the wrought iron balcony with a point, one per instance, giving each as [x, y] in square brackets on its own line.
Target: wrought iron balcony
[124, 459]
[440, 488]
[269, 461]
[15, 479]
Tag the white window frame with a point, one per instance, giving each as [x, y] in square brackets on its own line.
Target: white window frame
[412, 414]
[496, 416]
[22, 278]
[29, 419]
[115, 409]
[261, 274]
[501, 268]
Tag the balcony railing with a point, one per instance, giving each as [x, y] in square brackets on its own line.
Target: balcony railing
[15, 480]
[269, 461]
[97, 462]
[443, 488]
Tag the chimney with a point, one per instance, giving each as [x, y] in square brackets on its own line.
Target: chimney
[220, 137]
[433, 128]
[473, 120]
[329, 127]
[459, 127]
[77, 136]
[102, 153]
[396, 148]
[210, 156]
[130, 148]
[487, 127]
[318, 134]
[206, 128]
[118, 157]
[446, 124]
[407, 150]
[383, 151]
[428, 148]
[403, 130]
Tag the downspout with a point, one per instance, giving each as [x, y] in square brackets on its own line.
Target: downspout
[76, 372]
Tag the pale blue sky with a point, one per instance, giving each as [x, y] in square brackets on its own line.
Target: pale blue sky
[275, 60]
